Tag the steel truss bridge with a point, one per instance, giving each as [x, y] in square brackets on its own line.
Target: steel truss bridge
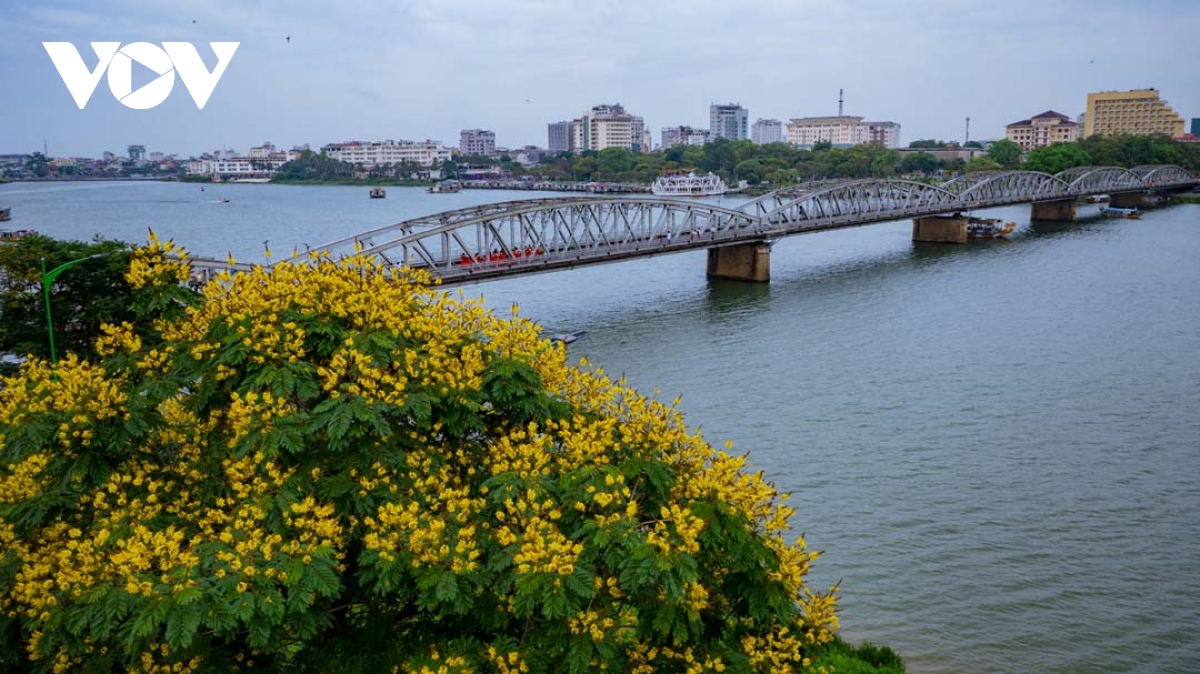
[538, 235]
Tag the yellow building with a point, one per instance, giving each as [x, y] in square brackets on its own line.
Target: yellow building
[1136, 113]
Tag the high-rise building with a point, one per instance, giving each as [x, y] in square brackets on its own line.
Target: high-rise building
[606, 126]
[1042, 130]
[136, 152]
[728, 121]
[1136, 113]
[561, 135]
[766, 131]
[476, 143]
[1195, 126]
[685, 135]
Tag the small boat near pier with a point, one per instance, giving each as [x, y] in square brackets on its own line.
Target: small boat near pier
[989, 228]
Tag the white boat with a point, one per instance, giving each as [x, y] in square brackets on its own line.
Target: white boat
[688, 185]
[1114, 212]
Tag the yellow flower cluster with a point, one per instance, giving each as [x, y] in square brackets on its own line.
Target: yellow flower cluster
[158, 262]
[208, 493]
[507, 663]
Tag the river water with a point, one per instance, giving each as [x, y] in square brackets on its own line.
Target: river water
[997, 445]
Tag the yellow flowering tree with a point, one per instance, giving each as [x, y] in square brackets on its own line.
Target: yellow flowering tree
[333, 466]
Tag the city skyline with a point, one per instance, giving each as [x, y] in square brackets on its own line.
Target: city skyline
[423, 70]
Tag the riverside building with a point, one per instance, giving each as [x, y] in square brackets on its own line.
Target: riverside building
[728, 121]
[1041, 130]
[372, 153]
[606, 126]
[561, 136]
[842, 131]
[1135, 113]
[477, 142]
[766, 131]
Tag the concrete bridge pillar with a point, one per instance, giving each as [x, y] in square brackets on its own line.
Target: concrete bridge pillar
[743, 262]
[1127, 200]
[940, 229]
[1062, 210]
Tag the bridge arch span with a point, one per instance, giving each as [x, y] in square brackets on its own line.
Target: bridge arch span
[862, 202]
[1094, 179]
[1002, 187]
[502, 239]
[1154, 175]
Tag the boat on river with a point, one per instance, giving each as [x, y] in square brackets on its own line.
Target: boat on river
[5, 214]
[14, 235]
[989, 228]
[445, 187]
[378, 193]
[688, 184]
[1114, 212]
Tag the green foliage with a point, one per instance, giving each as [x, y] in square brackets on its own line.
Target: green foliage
[1006, 153]
[866, 658]
[81, 298]
[1055, 158]
[981, 163]
[313, 166]
[38, 165]
[330, 467]
[921, 162]
[929, 144]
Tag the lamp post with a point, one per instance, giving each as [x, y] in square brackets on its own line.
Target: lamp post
[48, 278]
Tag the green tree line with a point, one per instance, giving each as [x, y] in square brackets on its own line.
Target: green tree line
[782, 164]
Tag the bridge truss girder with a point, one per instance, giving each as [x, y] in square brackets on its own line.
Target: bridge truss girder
[548, 232]
[869, 200]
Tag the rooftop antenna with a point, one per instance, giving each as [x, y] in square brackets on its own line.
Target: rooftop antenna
[968, 138]
[839, 102]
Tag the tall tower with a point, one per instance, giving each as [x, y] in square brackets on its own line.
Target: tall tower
[968, 138]
[839, 102]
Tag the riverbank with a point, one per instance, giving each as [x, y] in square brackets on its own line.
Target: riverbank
[376, 182]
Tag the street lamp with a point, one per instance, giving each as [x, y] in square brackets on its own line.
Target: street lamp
[48, 278]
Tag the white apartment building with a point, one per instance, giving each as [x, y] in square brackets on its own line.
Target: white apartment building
[260, 163]
[477, 142]
[766, 131]
[373, 153]
[844, 130]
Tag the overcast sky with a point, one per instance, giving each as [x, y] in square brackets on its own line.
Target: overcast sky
[425, 69]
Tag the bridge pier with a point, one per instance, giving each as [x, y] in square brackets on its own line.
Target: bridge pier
[743, 262]
[940, 229]
[1127, 200]
[1062, 210]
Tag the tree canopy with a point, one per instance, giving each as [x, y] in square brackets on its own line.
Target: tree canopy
[1006, 153]
[83, 298]
[1057, 157]
[332, 466]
